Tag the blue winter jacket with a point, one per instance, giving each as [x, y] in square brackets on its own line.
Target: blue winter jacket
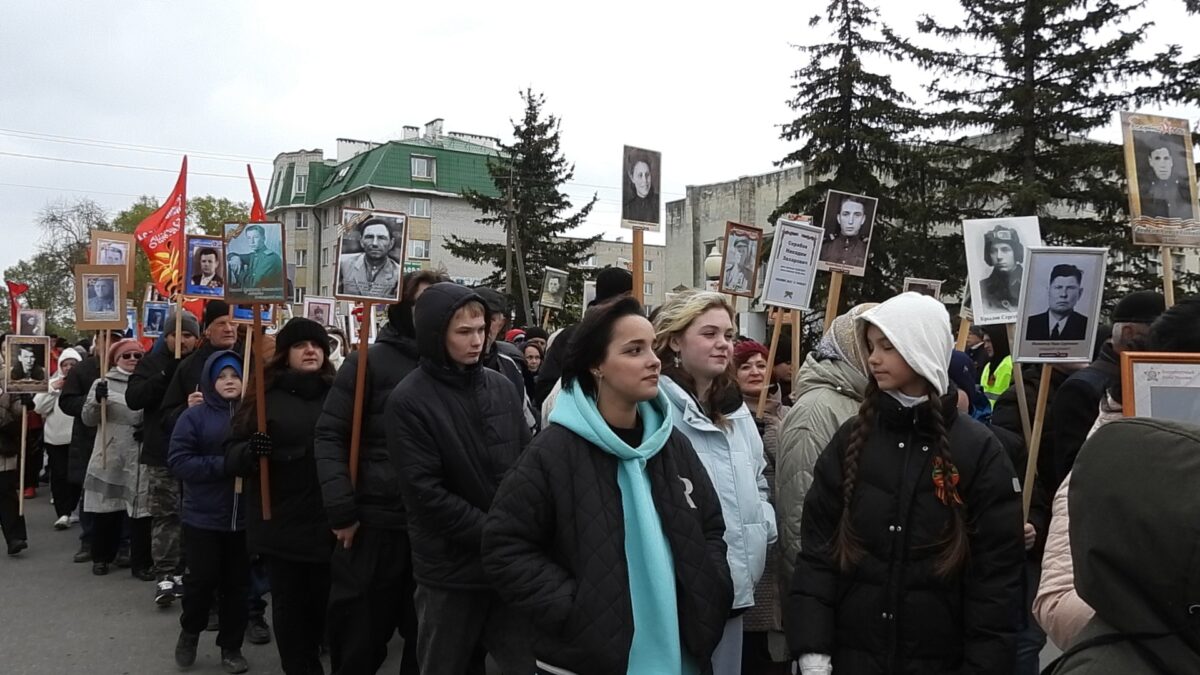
[197, 455]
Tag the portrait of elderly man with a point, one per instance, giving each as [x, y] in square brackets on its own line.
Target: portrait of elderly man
[1060, 321]
[847, 235]
[373, 273]
[1163, 185]
[100, 298]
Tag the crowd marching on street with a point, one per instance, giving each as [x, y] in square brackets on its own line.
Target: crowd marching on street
[612, 497]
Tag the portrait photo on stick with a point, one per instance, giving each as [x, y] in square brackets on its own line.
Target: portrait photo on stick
[739, 259]
[26, 369]
[31, 322]
[254, 263]
[205, 274]
[370, 260]
[849, 221]
[1161, 175]
[995, 250]
[1060, 304]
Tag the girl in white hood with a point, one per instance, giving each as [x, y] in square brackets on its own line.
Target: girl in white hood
[57, 440]
[911, 535]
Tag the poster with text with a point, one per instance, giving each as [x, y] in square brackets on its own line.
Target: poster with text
[793, 266]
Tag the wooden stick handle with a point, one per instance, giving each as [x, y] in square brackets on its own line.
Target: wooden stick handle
[21, 468]
[762, 396]
[1168, 276]
[1019, 382]
[179, 327]
[104, 339]
[260, 407]
[1035, 445]
[239, 485]
[964, 330]
[835, 298]
[797, 329]
[360, 386]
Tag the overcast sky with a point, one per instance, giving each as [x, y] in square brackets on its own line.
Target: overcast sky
[232, 82]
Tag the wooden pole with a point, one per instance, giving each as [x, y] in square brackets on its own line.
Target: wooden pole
[835, 298]
[796, 330]
[1168, 276]
[1035, 445]
[964, 330]
[1019, 382]
[238, 483]
[103, 338]
[21, 468]
[179, 327]
[360, 385]
[546, 319]
[639, 265]
[264, 464]
[778, 328]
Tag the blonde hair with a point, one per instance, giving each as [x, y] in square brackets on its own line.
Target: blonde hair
[672, 320]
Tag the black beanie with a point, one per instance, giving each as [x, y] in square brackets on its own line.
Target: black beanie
[534, 332]
[1140, 307]
[611, 282]
[213, 310]
[300, 329]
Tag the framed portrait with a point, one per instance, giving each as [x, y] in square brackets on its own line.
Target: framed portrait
[152, 295]
[995, 265]
[1060, 304]
[848, 221]
[99, 297]
[31, 322]
[114, 248]
[154, 319]
[641, 193]
[554, 289]
[254, 263]
[1162, 180]
[244, 314]
[589, 293]
[131, 322]
[739, 259]
[1161, 385]
[26, 369]
[792, 268]
[205, 274]
[351, 324]
[320, 310]
[370, 258]
[930, 287]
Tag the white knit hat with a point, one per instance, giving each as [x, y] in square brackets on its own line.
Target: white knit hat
[919, 328]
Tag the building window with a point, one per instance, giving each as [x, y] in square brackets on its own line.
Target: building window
[418, 248]
[300, 185]
[589, 261]
[325, 256]
[300, 255]
[419, 208]
[424, 168]
[324, 291]
[647, 289]
[649, 265]
[301, 220]
[298, 294]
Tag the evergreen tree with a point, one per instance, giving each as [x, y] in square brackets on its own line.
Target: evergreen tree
[1030, 81]
[528, 175]
[860, 134]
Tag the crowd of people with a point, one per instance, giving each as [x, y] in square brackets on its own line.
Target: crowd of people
[630, 494]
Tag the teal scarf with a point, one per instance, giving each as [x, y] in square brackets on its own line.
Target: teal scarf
[656, 648]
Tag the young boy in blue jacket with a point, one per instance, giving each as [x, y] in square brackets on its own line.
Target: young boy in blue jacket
[213, 521]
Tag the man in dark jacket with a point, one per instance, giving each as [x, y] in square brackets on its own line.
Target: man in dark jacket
[504, 357]
[372, 589]
[610, 282]
[454, 428]
[1077, 404]
[147, 387]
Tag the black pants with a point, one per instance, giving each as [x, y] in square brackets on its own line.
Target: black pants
[11, 522]
[455, 624]
[299, 596]
[33, 458]
[66, 494]
[217, 565]
[370, 597]
[107, 531]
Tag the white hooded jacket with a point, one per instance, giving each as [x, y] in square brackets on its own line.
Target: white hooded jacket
[58, 424]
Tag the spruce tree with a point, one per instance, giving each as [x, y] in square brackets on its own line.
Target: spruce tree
[532, 170]
[1021, 86]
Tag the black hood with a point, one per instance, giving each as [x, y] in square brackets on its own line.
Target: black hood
[431, 319]
[400, 318]
[1135, 527]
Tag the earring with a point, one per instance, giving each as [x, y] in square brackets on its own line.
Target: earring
[675, 359]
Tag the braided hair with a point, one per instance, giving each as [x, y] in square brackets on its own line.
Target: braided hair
[955, 546]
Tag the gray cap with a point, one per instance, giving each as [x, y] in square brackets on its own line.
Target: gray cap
[189, 324]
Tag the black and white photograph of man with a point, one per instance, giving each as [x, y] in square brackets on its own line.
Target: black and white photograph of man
[1060, 321]
[371, 258]
[1164, 190]
[1060, 307]
[205, 273]
[131, 321]
[319, 310]
[31, 322]
[154, 316]
[995, 258]
[930, 287]
[113, 253]
[554, 288]
[640, 188]
[100, 303]
[29, 362]
[849, 220]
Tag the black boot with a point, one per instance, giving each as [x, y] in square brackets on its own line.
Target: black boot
[233, 661]
[84, 554]
[257, 631]
[185, 649]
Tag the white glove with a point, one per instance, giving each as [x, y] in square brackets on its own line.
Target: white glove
[816, 664]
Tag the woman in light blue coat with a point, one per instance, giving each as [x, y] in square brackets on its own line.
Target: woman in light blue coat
[694, 340]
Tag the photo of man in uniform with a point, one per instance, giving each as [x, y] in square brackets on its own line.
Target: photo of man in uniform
[639, 193]
[554, 290]
[1163, 185]
[1060, 321]
[738, 275]
[28, 367]
[112, 253]
[263, 267]
[373, 273]
[31, 323]
[320, 314]
[208, 262]
[1003, 252]
[847, 230]
[100, 297]
[154, 321]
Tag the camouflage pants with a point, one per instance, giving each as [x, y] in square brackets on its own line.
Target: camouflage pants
[165, 529]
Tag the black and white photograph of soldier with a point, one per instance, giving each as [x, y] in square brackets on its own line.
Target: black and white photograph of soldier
[131, 321]
[554, 288]
[848, 222]
[640, 193]
[371, 257]
[995, 265]
[319, 310]
[28, 359]
[205, 272]
[100, 303]
[31, 322]
[154, 316]
[1062, 303]
[113, 253]
[1164, 188]
[739, 268]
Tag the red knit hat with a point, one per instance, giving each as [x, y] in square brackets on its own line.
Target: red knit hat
[747, 348]
[120, 347]
[513, 334]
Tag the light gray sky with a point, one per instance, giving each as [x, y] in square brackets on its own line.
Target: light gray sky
[247, 80]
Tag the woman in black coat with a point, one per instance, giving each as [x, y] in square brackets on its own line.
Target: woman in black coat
[296, 543]
[607, 533]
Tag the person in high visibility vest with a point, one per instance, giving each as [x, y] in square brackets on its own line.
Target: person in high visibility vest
[997, 373]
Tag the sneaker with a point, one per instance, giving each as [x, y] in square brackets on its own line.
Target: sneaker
[84, 554]
[164, 592]
[257, 631]
[123, 559]
[62, 523]
[185, 649]
[30, 493]
[99, 568]
[17, 546]
[178, 581]
[233, 661]
[74, 518]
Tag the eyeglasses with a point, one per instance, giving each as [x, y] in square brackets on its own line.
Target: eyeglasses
[136, 356]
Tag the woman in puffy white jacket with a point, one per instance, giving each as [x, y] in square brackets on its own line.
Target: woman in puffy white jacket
[57, 439]
[694, 340]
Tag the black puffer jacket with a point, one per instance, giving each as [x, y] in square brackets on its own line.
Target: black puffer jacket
[298, 529]
[74, 394]
[552, 365]
[452, 434]
[147, 392]
[377, 501]
[184, 382]
[893, 613]
[1076, 407]
[555, 548]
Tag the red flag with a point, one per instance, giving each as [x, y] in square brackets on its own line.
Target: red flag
[257, 213]
[15, 290]
[161, 237]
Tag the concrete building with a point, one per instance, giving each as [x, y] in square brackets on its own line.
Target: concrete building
[607, 253]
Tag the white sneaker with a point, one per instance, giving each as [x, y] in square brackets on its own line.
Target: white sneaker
[62, 523]
[74, 518]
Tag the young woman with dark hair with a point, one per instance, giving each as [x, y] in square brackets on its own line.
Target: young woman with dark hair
[607, 531]
[912, 533]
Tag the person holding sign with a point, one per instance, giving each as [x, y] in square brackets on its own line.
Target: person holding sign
[912, 508]
[12, 408]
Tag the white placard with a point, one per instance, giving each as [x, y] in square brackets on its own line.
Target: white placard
[792, 269]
